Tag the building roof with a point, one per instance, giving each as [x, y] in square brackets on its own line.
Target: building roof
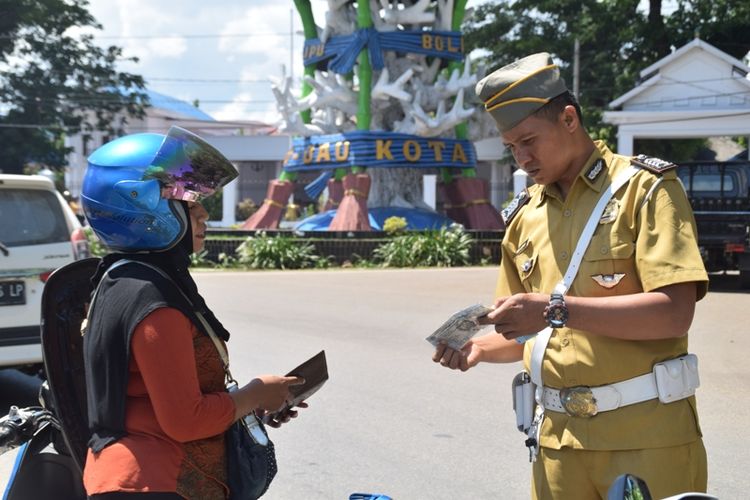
[697, 77]
[175, 105]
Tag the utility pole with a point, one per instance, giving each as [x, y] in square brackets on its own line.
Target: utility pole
[576, 66]
[291, 44]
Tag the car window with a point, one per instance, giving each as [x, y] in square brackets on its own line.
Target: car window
[31, 217]
[706, 181]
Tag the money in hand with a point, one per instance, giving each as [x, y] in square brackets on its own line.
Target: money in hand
[460, 327]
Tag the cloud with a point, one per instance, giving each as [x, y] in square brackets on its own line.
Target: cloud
[246, 105]
[269, 45]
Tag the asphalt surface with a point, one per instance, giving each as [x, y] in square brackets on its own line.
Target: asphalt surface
[391, 421]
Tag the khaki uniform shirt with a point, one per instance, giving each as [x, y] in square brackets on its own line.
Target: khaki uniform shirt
[645, 239]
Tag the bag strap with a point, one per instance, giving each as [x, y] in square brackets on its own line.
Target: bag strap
[542, 338]
[85, 322]
[211, 333]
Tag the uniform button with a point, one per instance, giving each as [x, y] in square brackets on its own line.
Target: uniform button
[604, 250]
[564, 255]
[567, 213]
[565, 342]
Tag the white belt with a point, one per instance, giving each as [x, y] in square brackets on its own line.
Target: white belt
[585, 401]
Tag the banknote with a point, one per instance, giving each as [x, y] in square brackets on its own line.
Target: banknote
[460, 327]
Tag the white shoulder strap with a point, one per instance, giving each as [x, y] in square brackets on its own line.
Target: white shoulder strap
[542, 338]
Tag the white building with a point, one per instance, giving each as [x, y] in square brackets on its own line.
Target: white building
[696, 91]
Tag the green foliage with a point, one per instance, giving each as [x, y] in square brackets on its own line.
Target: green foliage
[214, 205]
[443, 248]
[617, 40]
[56, 82]
[226, 261]
[199, 259]
[246, 208]
[277, 252]
[96, 247]
[394, 224]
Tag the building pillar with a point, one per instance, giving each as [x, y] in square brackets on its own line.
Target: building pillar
[624, 143]
[229, 202]
[520, 180]
[429, 189]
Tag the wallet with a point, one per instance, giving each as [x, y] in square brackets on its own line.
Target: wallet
[315, 373]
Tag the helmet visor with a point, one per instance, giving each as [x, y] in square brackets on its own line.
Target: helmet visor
[188, 168]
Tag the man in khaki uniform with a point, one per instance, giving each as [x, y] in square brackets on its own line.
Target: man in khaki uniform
[629, 307]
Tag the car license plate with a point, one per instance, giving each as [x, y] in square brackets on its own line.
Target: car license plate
[12, 293]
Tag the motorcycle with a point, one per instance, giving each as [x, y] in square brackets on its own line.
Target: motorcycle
[630, 487]
[52, 437]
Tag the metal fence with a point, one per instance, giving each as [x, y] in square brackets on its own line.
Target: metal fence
[352, 246]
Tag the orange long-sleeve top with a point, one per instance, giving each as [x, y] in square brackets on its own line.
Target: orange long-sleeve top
[176, 413]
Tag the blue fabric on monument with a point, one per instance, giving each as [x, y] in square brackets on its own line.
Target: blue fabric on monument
[416, 219]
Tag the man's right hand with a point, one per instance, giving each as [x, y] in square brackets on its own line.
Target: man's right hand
[462, 359]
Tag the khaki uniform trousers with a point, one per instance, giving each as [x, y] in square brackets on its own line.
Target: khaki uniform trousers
[585, 474]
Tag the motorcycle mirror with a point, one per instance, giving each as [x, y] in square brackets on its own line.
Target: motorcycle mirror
[628, 487]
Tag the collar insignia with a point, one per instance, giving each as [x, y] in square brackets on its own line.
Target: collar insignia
[610, 212]
[608, 280]
[514, 206]
[652, 164]
[595, 170]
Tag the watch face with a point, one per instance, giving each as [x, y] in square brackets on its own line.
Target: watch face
[557, 315]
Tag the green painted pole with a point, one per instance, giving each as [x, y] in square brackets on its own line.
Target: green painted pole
[308, 26]
[462, 129]
[364, 72]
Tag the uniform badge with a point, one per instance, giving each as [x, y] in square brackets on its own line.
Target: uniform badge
[608, 280]
[595, 170]
[514, 206]
[652, 164]
[610, 212]
[527, 266]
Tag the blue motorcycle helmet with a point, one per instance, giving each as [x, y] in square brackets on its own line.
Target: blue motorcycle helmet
[133, 184]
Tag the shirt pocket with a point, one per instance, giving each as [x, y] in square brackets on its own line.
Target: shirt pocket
[609, 266]
[526, 260]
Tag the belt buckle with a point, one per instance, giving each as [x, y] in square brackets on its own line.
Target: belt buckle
[578, 401]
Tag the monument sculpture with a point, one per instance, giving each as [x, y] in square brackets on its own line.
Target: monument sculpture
[383, 101]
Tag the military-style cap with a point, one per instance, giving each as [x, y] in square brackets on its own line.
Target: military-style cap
[513, 92]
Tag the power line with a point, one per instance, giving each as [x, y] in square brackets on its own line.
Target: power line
[196, 36]
[207, 80]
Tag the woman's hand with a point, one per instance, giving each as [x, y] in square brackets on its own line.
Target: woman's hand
[269, 393]
[277, 419]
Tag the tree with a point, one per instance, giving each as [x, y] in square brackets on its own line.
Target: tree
[55, 83]
[617, 40]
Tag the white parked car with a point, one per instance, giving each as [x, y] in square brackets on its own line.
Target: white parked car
[38, 233]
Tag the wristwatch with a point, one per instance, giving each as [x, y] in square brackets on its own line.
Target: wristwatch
[556, 313]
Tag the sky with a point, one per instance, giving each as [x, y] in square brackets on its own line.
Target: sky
[221, 53]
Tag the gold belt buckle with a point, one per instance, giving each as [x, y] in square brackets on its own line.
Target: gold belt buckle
[578, 401]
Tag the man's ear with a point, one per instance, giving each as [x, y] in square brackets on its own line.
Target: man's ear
[569, 118]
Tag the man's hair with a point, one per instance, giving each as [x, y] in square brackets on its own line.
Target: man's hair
[556, 105]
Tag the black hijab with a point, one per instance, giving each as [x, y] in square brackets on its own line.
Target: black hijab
[125, 296]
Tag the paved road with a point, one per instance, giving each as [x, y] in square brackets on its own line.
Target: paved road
[391, 421]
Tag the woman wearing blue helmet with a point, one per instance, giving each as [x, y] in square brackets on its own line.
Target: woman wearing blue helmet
[155, 380]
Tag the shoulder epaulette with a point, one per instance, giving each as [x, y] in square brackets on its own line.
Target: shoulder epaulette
[652, 164]
[514, 206]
